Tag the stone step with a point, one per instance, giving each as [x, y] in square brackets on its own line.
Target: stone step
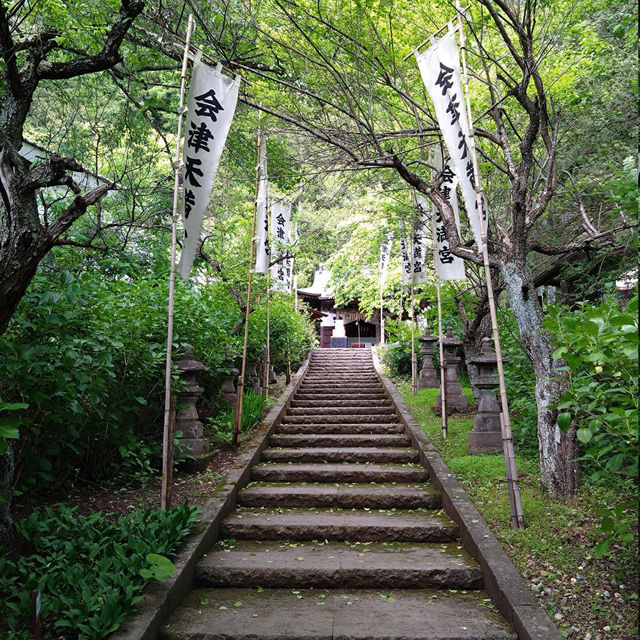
[341, 496]
[336, 565]
[339, 394]
[351, 472]
[349, 403]
[339, 440]
[341, 427]
[337, 524]
[342, 388]
[341, 454]
[340, 411]
[335, 614]
[324, 418]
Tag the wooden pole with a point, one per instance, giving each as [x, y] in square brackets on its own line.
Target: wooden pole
[267, 350]
[167, 437]
[517, 518]
[381, 315]
[414, 358]
[443, 365]
[237, 419]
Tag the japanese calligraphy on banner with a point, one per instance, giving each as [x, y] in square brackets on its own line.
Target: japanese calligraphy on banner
[262, 213]
[210, 108]
[406, 260]
[440, 70]
[418, 263]
[450, 266]
[281, 271]
[385, 254]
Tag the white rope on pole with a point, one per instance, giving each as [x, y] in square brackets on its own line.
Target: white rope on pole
[517, 518]
[167, 436]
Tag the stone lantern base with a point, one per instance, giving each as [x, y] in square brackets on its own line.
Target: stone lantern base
[485, 442]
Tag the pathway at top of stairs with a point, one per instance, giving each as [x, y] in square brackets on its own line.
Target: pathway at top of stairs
[340, 535]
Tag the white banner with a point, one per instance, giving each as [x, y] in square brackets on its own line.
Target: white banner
[419, 264]
[210, 108]
[440, 70]
[281, 271]
[262, 213]
[406, 260]
[385, 253]
[450, 266]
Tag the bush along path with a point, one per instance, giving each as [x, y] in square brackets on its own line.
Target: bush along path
[340, 534]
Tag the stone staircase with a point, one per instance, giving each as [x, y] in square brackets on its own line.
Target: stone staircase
[339, 535]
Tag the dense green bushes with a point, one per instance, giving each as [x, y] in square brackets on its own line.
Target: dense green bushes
[87, 353]
[89, 569]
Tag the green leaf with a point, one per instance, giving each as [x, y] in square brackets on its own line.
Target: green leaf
[564, 420]
[584, 435]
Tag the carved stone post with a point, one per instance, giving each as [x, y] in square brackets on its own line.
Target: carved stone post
[486, 436]
[428, 377]
[187, 419]
[455, 399]
[229, 377]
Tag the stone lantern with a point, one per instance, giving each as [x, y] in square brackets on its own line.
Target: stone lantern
[428, 377]
[187, 419]
[229, 377]
[486, 436]
[455, 399]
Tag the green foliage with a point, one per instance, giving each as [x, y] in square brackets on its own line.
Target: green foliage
[9, 425]
[600, 347]
[90, 569]
[220, 428]
[396, 354]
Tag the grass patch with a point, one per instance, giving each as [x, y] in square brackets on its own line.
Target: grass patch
[555, 552]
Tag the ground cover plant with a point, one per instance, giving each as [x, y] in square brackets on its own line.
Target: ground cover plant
[587, 595]
[90, 569]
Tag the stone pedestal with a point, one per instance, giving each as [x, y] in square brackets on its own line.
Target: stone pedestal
[230, 375]
[428, 377]
[486, 436]
[187, 419]
[251, 378]
[455, 400]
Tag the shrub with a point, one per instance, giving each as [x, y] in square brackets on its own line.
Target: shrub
[89, 569]
[220, 428]
[396, 355]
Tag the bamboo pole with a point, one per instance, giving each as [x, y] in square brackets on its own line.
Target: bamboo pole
[414, 358]
[267, 350]
[443, 365]
[517, 518]
[381, 315]
[237, 419]
[167, 435]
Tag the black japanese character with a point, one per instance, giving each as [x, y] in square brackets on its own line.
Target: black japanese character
[191, 171]
[189, 201]
[445, 255]
[280, 219]
[447, 174]
[470, 173]
[199, 137]
[417, 252]
[417, 266]
[280, 233]
[208, 105]
[446, 191]
[462, 145]
[453, 109]
[441, 234]
[444, 78]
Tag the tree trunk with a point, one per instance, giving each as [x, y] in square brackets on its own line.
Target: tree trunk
[558, 449]
[8, 536]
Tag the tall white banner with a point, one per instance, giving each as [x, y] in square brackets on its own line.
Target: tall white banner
[210, 108]
[450, 266]
[406, 260]
[385, 253]
[262, 213]
[281, 271]
[418, 262]
[440, 70]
